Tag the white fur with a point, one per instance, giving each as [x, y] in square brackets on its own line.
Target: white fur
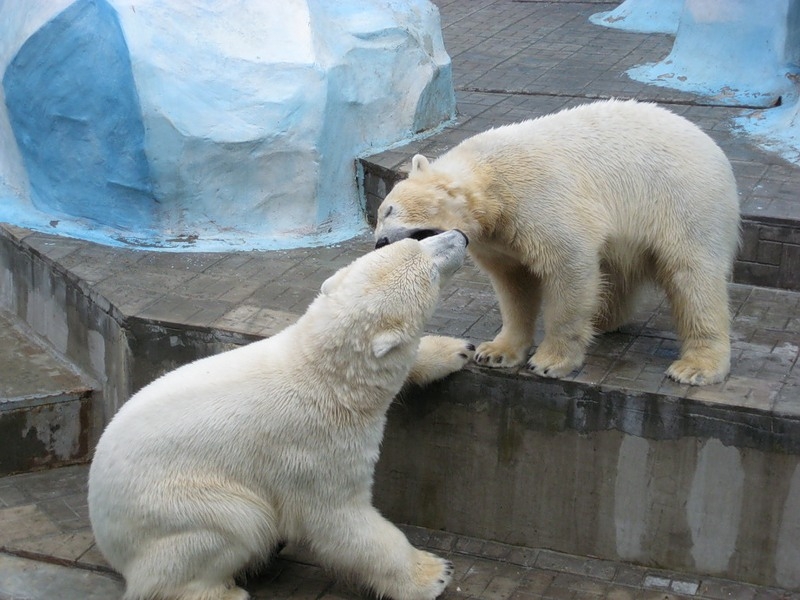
[572, 213]
[207, 469]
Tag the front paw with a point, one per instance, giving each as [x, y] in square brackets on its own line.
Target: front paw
[431, 575]
[697, 372]
[553, 364]
[449, 353]
[497, 354]
[438, 357]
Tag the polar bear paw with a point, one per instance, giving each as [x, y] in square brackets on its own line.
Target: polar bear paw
[546, 364]
[689, 371]
[431, 576]
[438, 357]
[498, 355]
[702, 362]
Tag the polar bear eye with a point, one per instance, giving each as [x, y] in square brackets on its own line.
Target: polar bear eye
[389, 210]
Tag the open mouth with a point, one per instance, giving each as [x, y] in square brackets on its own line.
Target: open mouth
[416, 234]
[421, 234]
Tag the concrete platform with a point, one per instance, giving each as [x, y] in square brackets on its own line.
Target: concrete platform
[614, 461]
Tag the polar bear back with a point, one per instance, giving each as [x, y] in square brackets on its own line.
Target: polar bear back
[621, 169]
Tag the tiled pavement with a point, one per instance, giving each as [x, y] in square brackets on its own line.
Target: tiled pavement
[259, 293]
[48, 552]
[512, 60]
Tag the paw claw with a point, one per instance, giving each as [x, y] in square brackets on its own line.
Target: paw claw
[697, 373]
[555, 364]
[433, 573]
[493, 354]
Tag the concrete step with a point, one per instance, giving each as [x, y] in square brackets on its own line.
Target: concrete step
[47, 551]
[45, 404]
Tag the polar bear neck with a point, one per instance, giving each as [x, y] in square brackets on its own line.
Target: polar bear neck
[345, 374]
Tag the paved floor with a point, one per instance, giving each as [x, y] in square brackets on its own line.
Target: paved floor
[512, 60]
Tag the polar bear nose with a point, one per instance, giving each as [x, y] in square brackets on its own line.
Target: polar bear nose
[384, 241]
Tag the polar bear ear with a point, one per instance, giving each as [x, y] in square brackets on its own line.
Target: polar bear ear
[419, 164]
[385, 342]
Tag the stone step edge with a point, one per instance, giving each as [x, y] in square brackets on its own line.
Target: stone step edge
[33, 400]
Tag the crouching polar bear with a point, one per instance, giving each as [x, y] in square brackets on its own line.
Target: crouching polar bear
[573, 212]
[207, 469]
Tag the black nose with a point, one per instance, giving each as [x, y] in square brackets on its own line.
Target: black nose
[384, 241]
[466, 239]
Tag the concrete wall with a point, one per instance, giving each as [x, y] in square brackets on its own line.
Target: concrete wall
[709, 489]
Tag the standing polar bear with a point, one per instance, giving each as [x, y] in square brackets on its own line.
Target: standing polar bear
[209, 468]
[574, 212]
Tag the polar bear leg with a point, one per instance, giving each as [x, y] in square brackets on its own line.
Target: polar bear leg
[571, 301]
[439, 356]
[620, 291]
[196, 565]
[213, 537]
[519, 293]
[699, 301]
[362, 544]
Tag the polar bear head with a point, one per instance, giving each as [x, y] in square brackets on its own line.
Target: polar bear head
[382, 301]
[426, 203]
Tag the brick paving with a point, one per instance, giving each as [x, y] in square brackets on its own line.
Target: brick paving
[512, 60]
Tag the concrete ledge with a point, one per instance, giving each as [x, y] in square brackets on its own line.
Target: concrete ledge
[644, 478]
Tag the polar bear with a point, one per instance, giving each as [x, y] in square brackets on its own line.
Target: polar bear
[573, 212]
[207, 469]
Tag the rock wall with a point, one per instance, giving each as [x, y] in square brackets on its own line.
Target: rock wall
[202, 124]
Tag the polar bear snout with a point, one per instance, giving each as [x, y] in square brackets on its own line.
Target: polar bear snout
[416, 234]
[466, 238]
[448, 250]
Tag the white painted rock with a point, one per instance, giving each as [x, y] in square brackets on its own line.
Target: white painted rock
[234, 123]
[642, 16]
